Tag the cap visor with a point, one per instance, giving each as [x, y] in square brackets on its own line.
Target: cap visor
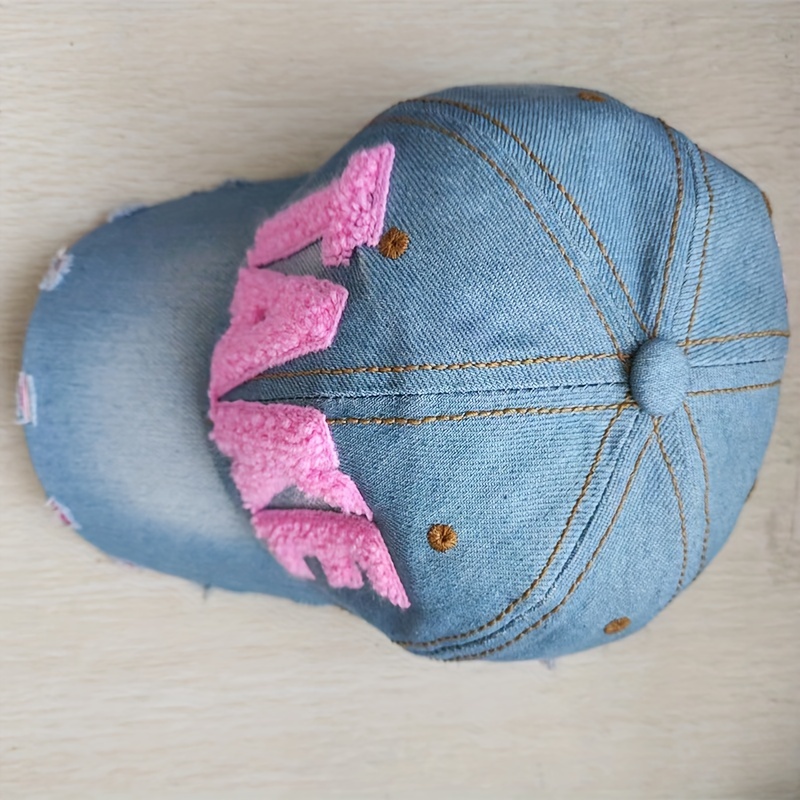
[116, 370]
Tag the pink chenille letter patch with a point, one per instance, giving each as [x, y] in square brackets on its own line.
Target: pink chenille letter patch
[274, 319]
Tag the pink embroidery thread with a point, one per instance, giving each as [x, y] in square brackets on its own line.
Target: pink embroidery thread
[275, 318]
[344, 215]
[343, 544]
[26, 400]
[63, 513]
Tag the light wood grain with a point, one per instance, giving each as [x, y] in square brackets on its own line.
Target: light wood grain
[120, 682]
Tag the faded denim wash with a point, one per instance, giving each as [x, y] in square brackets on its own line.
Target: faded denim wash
[552, 233]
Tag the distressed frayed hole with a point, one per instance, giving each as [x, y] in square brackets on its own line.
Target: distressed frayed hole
[59, 267]
[26, 400]
[64, 514]
[127, 210]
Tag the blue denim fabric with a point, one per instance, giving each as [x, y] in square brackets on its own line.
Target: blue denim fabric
[551, 236]
[119, 353]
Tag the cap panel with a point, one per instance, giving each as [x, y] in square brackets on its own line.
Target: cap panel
[481, 279]
[617, 178]
[506, 484]
[734, 309]
[632, 573]
[735, 377]
[612, 567]
[119, 353]
[733, 431]
[678, 508]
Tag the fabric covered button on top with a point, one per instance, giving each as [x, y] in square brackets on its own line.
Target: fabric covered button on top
[659, 377]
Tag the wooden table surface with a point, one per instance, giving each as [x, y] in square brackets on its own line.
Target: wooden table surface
[121, 682]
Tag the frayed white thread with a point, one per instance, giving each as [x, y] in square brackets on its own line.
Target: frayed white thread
[26, 400]
[64, 514]
[127, 210]
[59, 267]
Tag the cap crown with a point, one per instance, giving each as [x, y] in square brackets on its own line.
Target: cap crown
[481, 382]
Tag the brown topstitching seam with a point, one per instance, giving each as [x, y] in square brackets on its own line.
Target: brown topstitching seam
[480, 414]
[704, 252]
[552, 178]
[580, 577]
[521, 195]
[511, 362]
[679, 498]
[751, 388]
[734, 337]
[520, 362]
[706, 511]
[673, 233]
[551, 558]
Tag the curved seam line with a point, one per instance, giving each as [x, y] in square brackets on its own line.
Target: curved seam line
[521, 195]
[678, 497]
[673, 232]
[579, 579]
[521, 362]
[706, 511]
[497, 412]
[561, 188]
[751, 388]
[734, 337]
[704, 252]
[551, 558]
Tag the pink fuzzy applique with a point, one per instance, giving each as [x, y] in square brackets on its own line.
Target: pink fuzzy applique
[346, 214]
[274, 318]
[272, 446]
[277, 445]
[343, 544]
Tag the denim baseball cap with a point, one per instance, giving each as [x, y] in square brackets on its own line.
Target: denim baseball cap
[498, 377]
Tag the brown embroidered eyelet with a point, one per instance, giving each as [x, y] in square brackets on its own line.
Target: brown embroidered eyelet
[442, 538]
[592, 97]
[616, 625]
[393, 243]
